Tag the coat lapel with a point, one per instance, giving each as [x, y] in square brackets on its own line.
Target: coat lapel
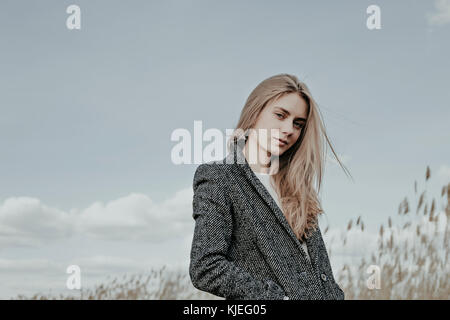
[238, 157]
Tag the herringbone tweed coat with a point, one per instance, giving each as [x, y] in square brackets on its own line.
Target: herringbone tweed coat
[243, 248]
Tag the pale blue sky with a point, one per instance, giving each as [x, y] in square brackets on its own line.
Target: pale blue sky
[86, 115]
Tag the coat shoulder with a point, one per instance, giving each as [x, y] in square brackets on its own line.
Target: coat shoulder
[215, 170]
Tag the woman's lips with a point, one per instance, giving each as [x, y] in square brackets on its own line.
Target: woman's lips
[280, 142]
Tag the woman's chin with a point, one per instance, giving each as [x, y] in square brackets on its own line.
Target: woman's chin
[276, 151]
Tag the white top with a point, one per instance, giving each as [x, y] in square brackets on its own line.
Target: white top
[265, 179]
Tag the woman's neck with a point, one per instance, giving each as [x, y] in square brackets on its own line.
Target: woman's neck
[262, 165]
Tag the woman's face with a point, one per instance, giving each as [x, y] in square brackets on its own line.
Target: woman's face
[287, 116]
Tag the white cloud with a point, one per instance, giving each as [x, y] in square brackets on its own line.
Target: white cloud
[442, 14]
[27, 221]
[28, 266]
[362, 244]
[137, 217]
[150, 234]
[444, 173]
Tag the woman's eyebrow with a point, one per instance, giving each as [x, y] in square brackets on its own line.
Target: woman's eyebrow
[288, 113]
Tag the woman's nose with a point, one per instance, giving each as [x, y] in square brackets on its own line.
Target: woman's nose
[287, 129]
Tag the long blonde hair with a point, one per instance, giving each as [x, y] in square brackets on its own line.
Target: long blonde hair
[302, 163]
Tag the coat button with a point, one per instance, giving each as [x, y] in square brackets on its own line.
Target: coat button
[286, 298]
[324, 277]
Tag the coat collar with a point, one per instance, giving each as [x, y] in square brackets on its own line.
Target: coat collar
[237, 157]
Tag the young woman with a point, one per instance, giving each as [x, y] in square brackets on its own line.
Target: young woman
[256, 230]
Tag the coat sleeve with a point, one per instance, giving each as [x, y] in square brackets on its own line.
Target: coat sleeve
[209, 269]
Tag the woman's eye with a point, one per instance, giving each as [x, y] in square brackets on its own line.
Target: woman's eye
[299, 125]
[279, 114]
